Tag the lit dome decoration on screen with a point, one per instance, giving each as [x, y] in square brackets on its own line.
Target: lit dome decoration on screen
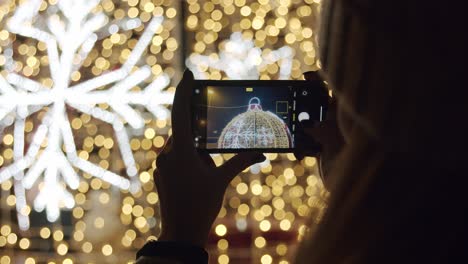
[255, 129]
[70, 30]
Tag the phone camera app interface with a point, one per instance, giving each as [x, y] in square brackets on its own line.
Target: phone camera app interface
[249, 117]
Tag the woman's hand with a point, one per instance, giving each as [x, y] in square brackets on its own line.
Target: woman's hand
[190, 186]
[326, 133]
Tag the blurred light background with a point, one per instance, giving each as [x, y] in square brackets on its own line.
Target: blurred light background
[103, 185]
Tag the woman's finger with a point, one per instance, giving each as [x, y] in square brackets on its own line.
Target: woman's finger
[327, 133]
[167, 146]
[205, 157]
[299, 155]
[181, 113]
[312, 76]
[315, 76]
[305, 144]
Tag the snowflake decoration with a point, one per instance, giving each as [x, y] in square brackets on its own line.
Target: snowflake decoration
[241, 60]
[73, 28]
[247, 137]
[265, 137]
[238, 136]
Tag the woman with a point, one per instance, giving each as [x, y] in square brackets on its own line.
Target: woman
[397, 185]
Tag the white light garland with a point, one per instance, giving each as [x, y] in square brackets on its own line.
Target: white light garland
[241, 60]
[75, 37]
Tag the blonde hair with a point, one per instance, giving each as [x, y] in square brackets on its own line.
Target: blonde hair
[397, 186]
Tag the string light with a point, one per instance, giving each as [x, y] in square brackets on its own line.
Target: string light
[116, 121]
[240, 59]
[78, 34]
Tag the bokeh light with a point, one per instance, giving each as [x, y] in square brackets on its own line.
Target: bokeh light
[267, 208]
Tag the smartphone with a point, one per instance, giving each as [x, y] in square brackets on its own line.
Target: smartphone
[254, 115]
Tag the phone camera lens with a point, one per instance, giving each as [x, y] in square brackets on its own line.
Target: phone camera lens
[304, 93]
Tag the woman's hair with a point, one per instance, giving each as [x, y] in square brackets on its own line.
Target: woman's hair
[398, 186]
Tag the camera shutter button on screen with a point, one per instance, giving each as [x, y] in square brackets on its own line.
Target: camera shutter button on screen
[303, 116]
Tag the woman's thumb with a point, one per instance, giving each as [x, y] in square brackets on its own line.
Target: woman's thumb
[239, 163]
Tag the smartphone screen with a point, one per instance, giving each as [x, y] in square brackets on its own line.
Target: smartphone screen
[234, 116]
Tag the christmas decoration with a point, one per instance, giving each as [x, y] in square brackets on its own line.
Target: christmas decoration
[72, 28]
[255, 129]
[240, 59]
[266, 207]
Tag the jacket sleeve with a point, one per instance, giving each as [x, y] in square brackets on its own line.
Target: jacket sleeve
[171, 252]
[156, 260]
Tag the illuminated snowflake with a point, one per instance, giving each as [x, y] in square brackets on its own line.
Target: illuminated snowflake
[70, 29]
[238, 136]
[265, 137]
[241, 60]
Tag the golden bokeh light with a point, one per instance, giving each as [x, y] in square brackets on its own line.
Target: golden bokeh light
[274, 197]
